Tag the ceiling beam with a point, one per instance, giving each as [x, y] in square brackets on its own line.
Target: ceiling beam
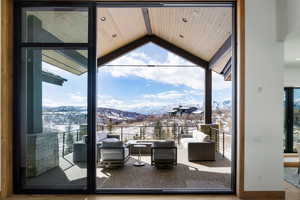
[42, 35]
[52, 78]
[158, 41]
[224, 48]
[179, 51]
[147, 20]
[226, 72]
[122, 50]
[227, 67]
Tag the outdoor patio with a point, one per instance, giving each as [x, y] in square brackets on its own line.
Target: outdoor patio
[199, 175]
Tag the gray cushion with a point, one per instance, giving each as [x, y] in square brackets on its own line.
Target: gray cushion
[101, 136]
[112, 143]
[164, 154]
[110, 140]
[164, 144]
[206, 139]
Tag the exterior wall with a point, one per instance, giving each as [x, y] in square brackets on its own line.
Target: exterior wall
[263, 98]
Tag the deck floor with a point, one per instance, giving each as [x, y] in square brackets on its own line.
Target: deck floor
[186, 175]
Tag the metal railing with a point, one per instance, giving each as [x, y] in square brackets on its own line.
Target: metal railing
[66, 140]
[140, 132]
[220, 139]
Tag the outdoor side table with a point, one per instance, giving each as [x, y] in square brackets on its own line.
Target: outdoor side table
[139, 163]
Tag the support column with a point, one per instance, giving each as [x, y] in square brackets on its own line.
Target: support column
[208, 96]
[34, 80]
[41, 147]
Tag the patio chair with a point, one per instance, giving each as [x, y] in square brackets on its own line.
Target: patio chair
[113, 154]
[80, 147]
[164, 154]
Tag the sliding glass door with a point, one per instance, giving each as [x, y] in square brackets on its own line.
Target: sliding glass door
[152, 102]
[54, 65]
[292, 119]
[153, 99]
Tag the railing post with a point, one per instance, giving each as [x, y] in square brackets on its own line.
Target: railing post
[77, 135]
[218, 139]
[140, 132]
[121, 133]
[63, 150]
[223, 143]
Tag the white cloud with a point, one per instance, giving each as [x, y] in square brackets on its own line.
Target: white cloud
[218, 82]
[165, 95]
[162, 99]
[71, 99]
[192, 77]
[110, 102]
[78, 99]
[50, 103]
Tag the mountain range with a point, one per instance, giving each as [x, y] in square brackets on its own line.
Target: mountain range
[139, 112]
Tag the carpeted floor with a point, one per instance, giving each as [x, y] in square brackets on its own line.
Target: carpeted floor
[291, 176]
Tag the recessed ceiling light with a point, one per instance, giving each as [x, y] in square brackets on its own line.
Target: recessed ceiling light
[114, 35]
[196, 12]
[297, 59]
[103, 19]
[184, 20]
[181, 36]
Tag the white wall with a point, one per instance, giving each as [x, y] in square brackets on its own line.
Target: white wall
[0, 88]
[288, 14]
[292, 76]
[264, 96]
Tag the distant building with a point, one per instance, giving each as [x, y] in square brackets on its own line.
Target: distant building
[182, 110]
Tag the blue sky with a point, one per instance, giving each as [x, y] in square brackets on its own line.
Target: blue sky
[133, 88]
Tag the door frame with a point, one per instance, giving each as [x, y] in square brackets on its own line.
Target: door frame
[91, 175]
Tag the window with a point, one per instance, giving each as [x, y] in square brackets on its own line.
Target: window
[55, 25]
[292, 119]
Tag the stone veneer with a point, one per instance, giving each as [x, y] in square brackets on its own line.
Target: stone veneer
[42, 153]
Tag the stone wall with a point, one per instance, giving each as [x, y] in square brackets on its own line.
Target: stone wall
[42, 153]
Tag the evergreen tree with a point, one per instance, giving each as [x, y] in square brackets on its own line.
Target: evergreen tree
[110, 126]
[157, 130]
[174, 130]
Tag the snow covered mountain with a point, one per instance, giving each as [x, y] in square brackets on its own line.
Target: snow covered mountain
[226, 104]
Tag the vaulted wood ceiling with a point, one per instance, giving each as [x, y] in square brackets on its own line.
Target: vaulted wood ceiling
[199, 31]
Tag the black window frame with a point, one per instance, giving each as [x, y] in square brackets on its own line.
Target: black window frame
[289, 119]
[91, 45]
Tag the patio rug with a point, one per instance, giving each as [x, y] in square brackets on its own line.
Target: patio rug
[291, 176]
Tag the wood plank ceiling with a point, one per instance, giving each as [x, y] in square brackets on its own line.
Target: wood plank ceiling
[200, 31]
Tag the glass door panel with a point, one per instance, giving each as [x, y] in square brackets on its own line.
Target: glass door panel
[54, 104]
[55, 25]
[296, 119]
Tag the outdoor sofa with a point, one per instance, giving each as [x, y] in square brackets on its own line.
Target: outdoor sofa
[200, 147]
